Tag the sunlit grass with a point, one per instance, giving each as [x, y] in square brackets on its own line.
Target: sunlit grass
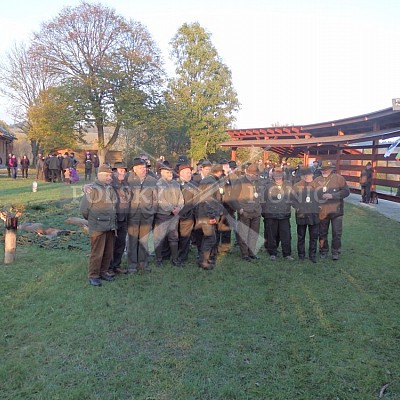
[257, 330]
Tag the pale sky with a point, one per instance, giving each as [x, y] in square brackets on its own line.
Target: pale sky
[292, 61]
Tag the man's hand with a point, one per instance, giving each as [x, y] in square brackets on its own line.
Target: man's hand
[87, 189]
[327, 196]
[176, 210]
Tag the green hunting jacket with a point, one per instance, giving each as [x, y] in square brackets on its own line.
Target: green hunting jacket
[99, 207]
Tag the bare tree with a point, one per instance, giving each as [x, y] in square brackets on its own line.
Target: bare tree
[22, 78]
[111, 64]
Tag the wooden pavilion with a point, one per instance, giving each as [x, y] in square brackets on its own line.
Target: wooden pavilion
[350, 142]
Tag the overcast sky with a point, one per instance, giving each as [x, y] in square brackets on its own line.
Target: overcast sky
[292, 61]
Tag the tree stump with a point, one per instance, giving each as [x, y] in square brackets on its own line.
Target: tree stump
[10, 239]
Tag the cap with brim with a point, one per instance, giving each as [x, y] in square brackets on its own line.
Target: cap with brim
[277, 172]
[306, 171]
[206, 163]
[183, 159]
[217, 168]
[138, 161]
[327, 164]
[232, 164]
[184, 166]
[224, 161]
[165, 165]
[119, 164]
[252, 169]
[104, 169]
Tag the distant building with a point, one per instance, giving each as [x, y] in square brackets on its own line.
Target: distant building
[6, 143]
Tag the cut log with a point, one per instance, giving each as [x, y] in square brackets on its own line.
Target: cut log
[31, 227]
[10, 239]
[76, 221]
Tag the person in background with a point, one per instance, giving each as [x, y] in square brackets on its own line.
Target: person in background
[39, 167]
[296, 175]
[96, 164]
[60, 177]
[53, 167]
[99, 207]
[88, 166]
[46, 171]
[366, 183]
[334, 189]
[24, 166]
[74, 160]
[66, 164]
[13, 165]
[315, 168]
[8, 164]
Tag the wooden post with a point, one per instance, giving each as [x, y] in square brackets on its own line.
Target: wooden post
[10, 239]
[233, 153]
[265, 154]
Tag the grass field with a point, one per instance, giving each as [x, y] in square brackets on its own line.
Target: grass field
[264, 330]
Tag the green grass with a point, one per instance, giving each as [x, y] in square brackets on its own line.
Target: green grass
[242, 331]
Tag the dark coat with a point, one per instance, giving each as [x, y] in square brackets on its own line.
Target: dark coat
[277, 201]
[306, 200]
[248, 195]
[210, 200]
[190, 193]
[144, 196]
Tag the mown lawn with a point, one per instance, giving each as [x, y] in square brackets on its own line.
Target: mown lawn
[242, 331]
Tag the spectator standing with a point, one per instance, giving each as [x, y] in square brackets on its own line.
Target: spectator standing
[60, 175]
[366, 183]
[88, 167]
[24, 166]
[39, 167]
[13, 165]
[8, 164]
[53, 167]
[66, 164]
[96, 164]
[316, 169]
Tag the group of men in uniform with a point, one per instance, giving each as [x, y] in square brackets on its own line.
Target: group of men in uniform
[201, 209]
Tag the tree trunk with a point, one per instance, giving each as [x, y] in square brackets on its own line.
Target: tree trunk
[35, 151]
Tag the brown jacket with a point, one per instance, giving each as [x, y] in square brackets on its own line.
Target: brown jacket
[336, 185]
